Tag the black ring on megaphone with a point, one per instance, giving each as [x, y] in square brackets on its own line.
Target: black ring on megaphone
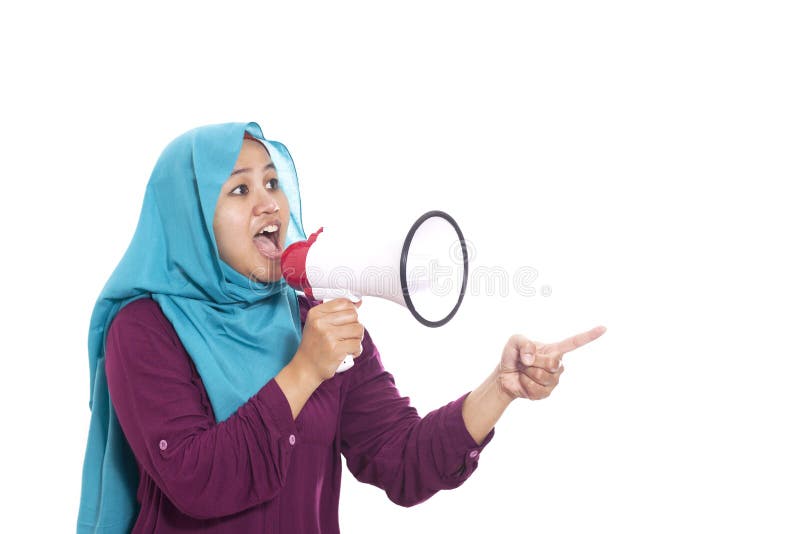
[404, 258]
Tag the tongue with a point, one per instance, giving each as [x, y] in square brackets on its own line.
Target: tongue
[265, 245]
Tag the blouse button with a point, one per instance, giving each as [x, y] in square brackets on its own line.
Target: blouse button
[292, 439]
[162, 444]
[473, 454]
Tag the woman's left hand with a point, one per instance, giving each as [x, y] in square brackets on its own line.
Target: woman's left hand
[530, 369]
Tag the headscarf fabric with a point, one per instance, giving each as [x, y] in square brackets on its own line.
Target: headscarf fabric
[239, 332]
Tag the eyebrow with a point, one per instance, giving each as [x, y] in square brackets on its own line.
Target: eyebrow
[267, 167]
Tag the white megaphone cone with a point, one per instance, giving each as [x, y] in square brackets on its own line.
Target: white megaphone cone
[423, 269]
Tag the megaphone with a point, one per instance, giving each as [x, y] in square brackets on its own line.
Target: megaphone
[425, 271]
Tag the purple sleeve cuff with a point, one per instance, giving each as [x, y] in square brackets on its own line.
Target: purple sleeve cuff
[459, 441]
[274, 406]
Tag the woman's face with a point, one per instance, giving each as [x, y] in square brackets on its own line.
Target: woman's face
[250, 200]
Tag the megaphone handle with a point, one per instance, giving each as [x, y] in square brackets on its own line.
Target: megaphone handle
[348, 362]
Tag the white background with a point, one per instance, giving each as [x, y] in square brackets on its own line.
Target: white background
[641, 156]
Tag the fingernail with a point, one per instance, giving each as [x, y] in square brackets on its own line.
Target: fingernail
[527, 359]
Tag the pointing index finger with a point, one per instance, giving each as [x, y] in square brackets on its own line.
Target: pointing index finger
[572, 343]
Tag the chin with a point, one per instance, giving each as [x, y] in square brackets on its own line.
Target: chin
[267, 275]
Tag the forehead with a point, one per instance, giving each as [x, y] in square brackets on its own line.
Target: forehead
[253, 150]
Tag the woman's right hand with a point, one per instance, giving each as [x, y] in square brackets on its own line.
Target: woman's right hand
[331, 332]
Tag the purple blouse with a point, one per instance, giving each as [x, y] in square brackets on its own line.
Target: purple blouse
[260, 470]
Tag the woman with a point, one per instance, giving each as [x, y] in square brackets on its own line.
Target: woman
[215, 402]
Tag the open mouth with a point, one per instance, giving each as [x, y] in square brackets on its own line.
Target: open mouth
[268, 243]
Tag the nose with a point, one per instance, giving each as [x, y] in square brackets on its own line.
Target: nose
[266, 202]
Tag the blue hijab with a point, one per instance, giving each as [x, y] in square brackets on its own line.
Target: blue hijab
[216, 311]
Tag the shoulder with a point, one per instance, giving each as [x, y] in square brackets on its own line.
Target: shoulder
[142, 346]
[140, 317]
[143, 349]
[142, 312]
[144, 308]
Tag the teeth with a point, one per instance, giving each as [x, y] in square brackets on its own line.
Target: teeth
[269, 228]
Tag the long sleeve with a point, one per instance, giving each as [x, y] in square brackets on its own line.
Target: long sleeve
[206, 469]
[388, 445]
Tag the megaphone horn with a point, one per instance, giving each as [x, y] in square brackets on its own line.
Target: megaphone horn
[426, 272]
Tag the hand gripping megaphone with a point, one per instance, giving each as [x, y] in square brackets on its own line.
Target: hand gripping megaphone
[425, 272]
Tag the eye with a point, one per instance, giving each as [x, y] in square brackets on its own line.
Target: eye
[273, 181]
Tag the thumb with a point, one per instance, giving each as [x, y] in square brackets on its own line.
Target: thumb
[528, 351]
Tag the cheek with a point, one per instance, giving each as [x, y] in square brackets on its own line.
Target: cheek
[230, 218]
[228, 229]
[284, 204]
